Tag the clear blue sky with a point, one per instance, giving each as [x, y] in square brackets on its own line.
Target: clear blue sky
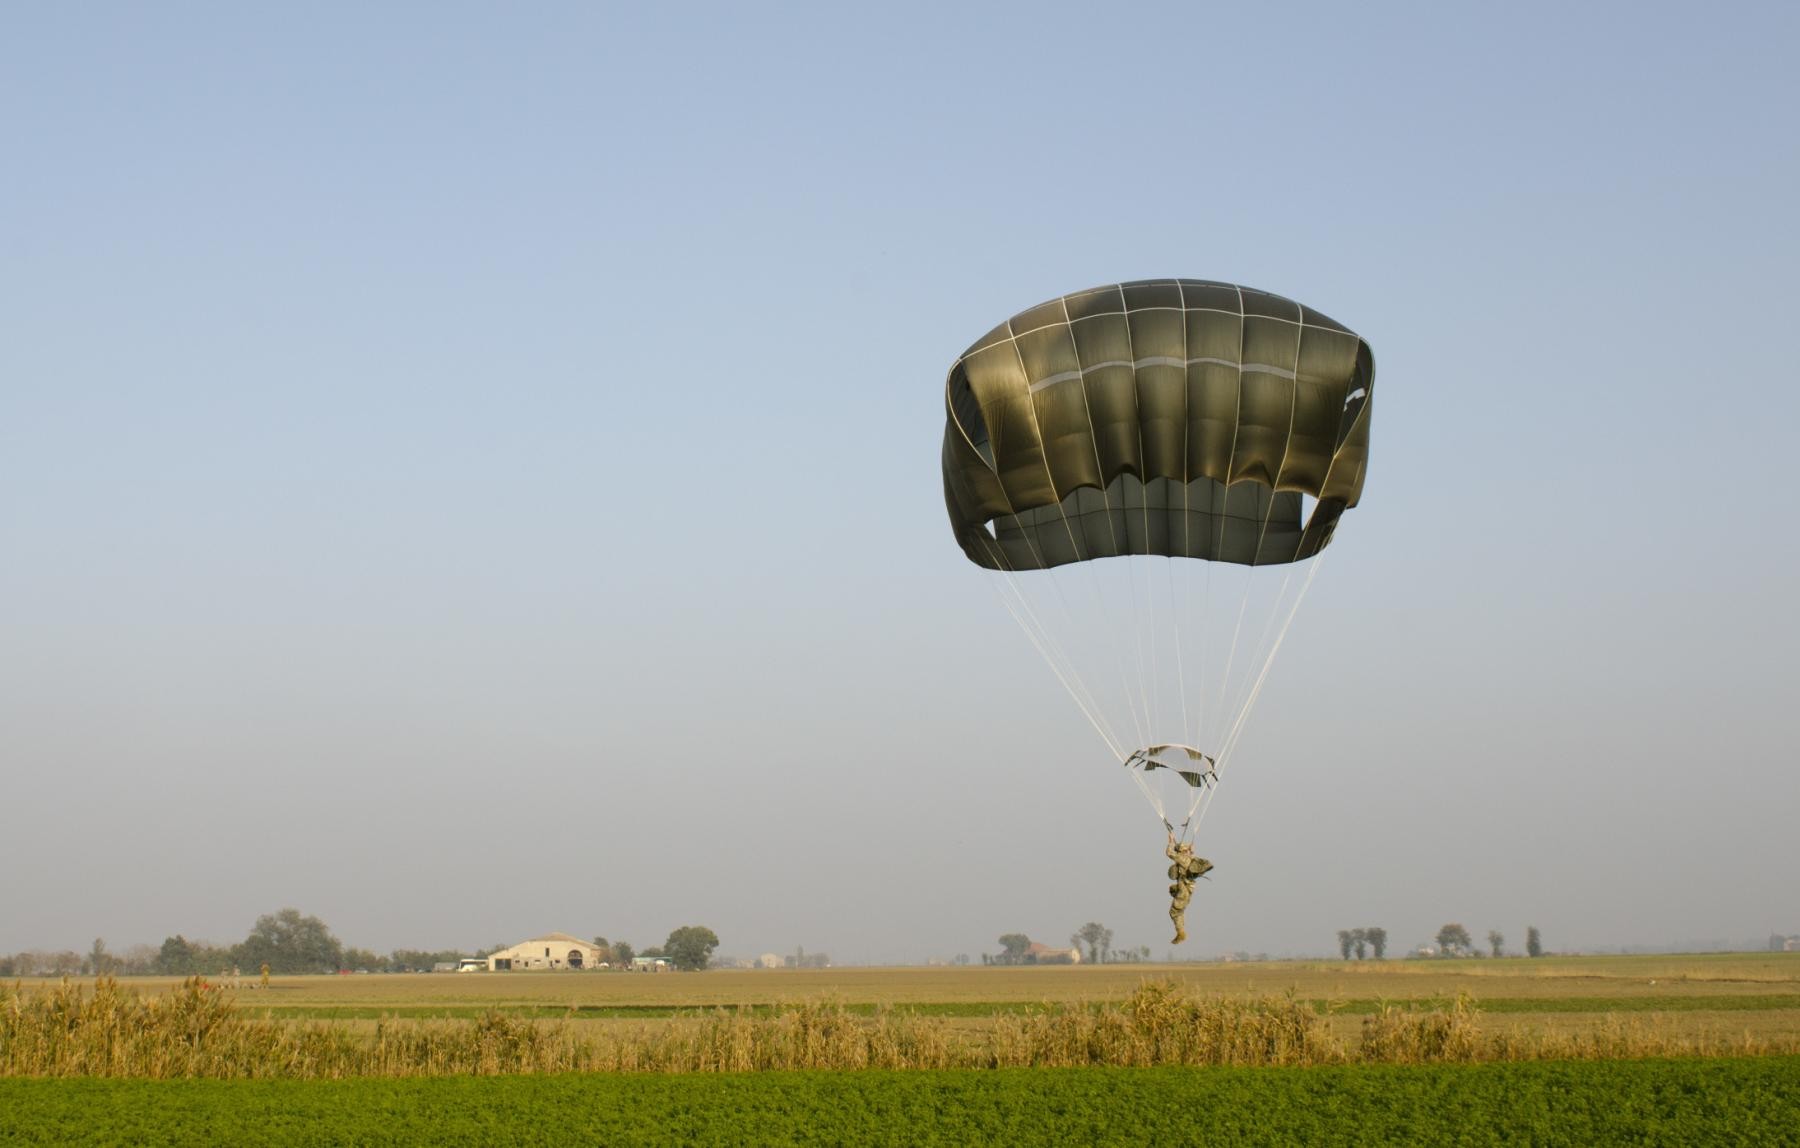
[470, 470]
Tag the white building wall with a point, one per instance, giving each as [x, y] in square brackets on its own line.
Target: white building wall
[544, 953]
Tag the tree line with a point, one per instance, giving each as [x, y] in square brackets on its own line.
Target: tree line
[1092, 944]
[1453, 940]
[689, 948]
[290, 943]
[1361, 941]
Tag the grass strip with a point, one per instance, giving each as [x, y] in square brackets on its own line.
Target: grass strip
[1745, 1101]
[1353, 1007]
[632, 1011]
[1770, 1003]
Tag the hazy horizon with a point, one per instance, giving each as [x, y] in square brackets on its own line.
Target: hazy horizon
[1161, 952]
[465, 474]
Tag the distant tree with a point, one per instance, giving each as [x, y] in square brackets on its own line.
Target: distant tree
[43, 963]
[180, 957]
[801, 959]
[136, 961]
[1453, 940]
[176, 957]
[1377, 938]
[1098, 939]
[1013, 948]
[1345, 941]
[1360, 939]
[356, 959]
[99, 962]
[623, 953]
[690, 947]
[421, 960]
[1534, 944]
[1496, 942]
[290, 943]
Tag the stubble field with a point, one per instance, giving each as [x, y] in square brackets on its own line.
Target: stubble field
[1685, 994]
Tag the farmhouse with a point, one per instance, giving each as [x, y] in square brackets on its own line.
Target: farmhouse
[1042, 954]
[550, 951]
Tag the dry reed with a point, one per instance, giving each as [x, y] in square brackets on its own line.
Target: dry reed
[197, 1030]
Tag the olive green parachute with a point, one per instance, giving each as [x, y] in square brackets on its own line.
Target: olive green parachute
[1146, 422]
[1175, 417]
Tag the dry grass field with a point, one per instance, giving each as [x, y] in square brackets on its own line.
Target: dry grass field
[1700, 976]
[1689, 978]
[1281, 1013]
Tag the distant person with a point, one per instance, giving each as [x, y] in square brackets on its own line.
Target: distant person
[1186, 869]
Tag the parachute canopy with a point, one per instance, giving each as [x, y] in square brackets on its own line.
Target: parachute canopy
[1176, 417]
[1145, 422]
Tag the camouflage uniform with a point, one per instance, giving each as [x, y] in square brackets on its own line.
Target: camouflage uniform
[1186, 869]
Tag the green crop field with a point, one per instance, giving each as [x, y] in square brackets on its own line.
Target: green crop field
[1674, 1102]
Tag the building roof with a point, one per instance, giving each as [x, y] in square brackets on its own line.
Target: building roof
[559, 938]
